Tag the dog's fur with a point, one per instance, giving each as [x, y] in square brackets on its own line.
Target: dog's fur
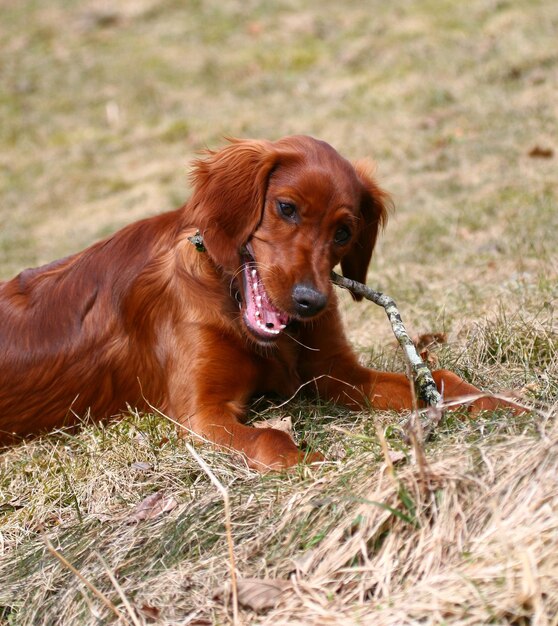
[143, 317]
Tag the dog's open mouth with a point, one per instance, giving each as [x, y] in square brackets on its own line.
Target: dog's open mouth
[262, 318]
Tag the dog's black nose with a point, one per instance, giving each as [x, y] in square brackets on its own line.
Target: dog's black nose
[307, 300]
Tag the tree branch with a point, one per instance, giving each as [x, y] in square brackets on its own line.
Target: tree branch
[425, 385]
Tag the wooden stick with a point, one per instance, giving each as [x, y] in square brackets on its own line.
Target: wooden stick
[425, 385]
[228, 529]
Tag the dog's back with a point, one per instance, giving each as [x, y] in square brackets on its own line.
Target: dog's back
[66, 330]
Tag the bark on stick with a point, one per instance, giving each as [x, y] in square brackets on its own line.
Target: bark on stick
[424, 383]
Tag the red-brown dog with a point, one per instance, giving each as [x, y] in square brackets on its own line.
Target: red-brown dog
[143, 317]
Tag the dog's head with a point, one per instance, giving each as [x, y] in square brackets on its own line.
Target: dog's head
[281, 215]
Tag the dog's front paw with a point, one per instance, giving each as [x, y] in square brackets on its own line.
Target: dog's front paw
[492, 403]
[458, 392]
[274, 450]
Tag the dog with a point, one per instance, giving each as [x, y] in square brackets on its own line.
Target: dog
[148, 319]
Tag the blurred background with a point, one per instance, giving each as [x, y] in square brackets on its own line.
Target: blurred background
[103, 105]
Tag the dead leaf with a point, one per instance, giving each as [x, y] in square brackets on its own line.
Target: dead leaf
[257, 594]
[429, 340]
[260, 595]
[396, 456]
[538, 152]
[154, 505]
[100, 18]
[284, 424]
[430, 358]
[151, 612]
[528, 388]
[255, 29]
[11, 506]
[514, 73]
[304, 562]
[142, 466]
[141, 439]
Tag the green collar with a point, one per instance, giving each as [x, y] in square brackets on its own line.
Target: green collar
[197, 241]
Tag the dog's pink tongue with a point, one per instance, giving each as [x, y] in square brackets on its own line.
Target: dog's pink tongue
[262, 316]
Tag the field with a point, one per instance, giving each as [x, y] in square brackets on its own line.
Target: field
[102, 106]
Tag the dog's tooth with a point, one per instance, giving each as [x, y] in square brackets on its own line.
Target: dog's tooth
[254, 273]
[283, 326]
[257, 314]
[255, 284]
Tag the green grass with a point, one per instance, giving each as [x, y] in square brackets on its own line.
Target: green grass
[101, 109]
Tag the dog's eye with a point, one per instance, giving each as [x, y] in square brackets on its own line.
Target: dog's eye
[342, 236]
[287, 209]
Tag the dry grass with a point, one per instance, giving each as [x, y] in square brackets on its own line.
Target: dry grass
[101, 107]
[481, 548]
[470, 538]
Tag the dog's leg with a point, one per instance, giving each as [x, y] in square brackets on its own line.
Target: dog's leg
[263, 448]
[358, 387]
[209, 400]
[339, 377]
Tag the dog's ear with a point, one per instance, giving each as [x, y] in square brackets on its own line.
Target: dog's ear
[374, 206]
[229, 194]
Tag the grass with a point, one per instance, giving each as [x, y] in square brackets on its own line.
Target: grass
[101, 108]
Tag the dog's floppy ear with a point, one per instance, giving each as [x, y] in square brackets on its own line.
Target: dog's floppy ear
[374, 205]
[229, 195]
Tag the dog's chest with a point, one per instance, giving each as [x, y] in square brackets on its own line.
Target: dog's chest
[278, 371]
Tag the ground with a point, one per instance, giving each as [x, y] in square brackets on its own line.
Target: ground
[102, 106]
